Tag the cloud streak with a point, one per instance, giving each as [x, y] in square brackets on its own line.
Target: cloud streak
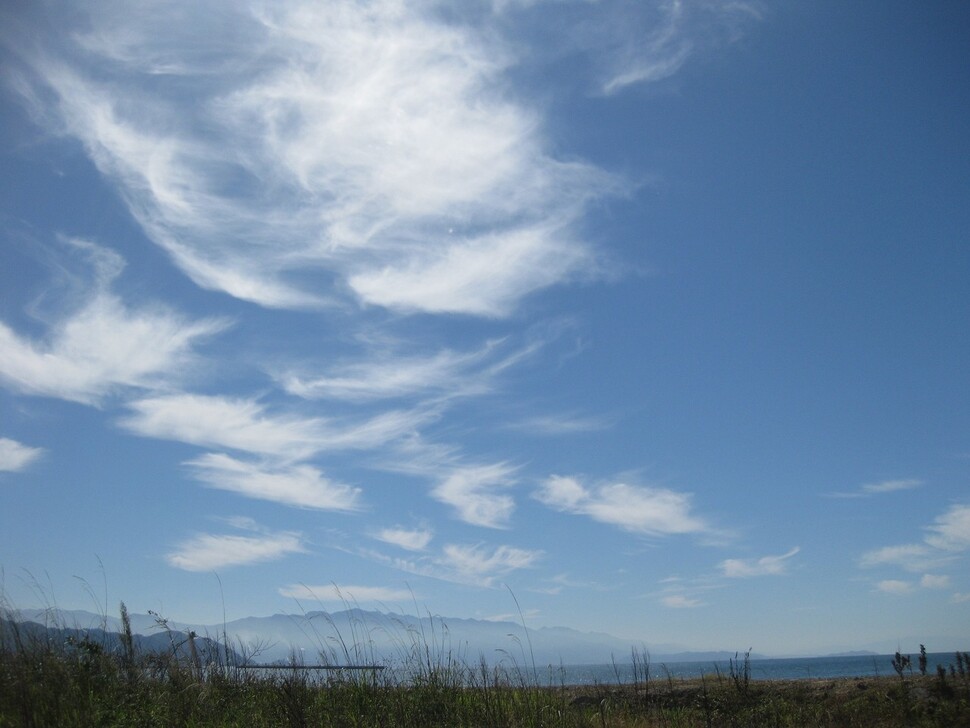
[680, 601]
[387, 374]
[302, 486]
[945, 541]
[470, 564]
[470, 490]
[372, 143]
[102, 346]
[15, 456]
[345, 594]
[407, 539]
[246, 424]
[951, 531]
[895, 586]
[886, 486]
[911, 557]
[207, 552]
[765, 566]
[646, 510]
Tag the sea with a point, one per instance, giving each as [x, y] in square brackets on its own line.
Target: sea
[788, 668]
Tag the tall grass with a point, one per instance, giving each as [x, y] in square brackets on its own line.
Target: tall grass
[51, 675]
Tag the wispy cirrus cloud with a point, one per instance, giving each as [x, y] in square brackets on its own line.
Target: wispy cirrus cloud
[473, 564]
[371, 142]
[680, 601]
[951, 530]
[895, 586]
[886, 486]
[891, 486]
[102, 346]
[15, 456]
[946, 542]
[239, 423]
[387, 373]
[901, 586]
[472, 491]
[477, 561]
[934, 581]
[206, 552]
[659, 54]
[346, 593]
[946, 539]
[765, 566]
[302, 486]
[641, 509]
[911, 557]
[633, 42]
[409, 539]
[564, 424]
[246, 424]
[685, 593]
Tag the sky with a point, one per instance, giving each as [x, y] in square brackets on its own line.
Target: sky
[644, 317]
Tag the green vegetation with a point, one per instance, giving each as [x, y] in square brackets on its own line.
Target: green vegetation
[47, 679]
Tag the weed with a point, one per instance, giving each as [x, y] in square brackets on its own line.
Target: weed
[53, 674]
[741, 673]
[900, 663]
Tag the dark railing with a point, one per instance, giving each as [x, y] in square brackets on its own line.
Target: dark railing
[312, 667]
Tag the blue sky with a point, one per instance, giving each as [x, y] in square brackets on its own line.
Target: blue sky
[653, 314]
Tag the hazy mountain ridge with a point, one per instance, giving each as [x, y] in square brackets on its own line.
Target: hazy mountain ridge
[28, 632]
[361, 636]
[357, 635]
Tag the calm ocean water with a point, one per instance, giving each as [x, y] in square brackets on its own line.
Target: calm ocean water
[792, 668]
[768, 669]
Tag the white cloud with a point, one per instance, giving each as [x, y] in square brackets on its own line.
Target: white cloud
[102, 346]
[659, 55]
[911, 557]
[949, 535]
[653, 511]
[206, 552]
[407, 539]
[934, 581]
[765, 566]
[296, 485]
[241, 424]
[960, 598]
[564, 424]
[470, 491]
[476, 563]
[346, 594]
[244, 424]
[371, 142]
[386, 374]
[630, 43]
[891, 486]
[886, 486]
[482, 275]
[15, 456]
[894, 586]
[951, 531]
[680, 601]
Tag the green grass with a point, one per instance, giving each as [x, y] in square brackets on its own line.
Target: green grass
[50, 681]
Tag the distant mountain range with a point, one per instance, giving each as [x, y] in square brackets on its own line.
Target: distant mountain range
[24, 631]
[361, 636]
[357, 636]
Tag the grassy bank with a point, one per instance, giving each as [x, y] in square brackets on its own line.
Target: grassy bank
[49, 680]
